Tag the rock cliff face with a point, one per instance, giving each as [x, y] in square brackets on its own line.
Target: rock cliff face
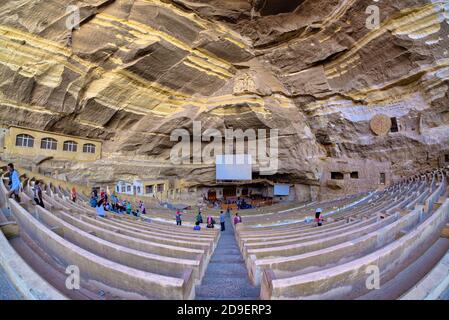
[135, 70]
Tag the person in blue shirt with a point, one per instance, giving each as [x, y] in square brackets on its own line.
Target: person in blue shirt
[100, 208]
[93, 202]
[222, 220]
[197, 226]
[14, 182]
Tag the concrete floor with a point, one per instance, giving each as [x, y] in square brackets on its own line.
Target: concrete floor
[7, 290]
[226, 276]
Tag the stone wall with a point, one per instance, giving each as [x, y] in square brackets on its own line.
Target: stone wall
[348, 176]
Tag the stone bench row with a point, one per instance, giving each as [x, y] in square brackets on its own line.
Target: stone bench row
[148, 228]
[105, 271]
[157, 238]
[147, 261]
[338, 253]
[370, 208]
[29, 284]
[348, 280]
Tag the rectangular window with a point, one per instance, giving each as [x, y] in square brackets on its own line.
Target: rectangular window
[382, 178]
[49, 144]
[89, 148]
[70, 146]
[394, 125]
[337, 176]
[354, 175]
[446, 158]
[149, 189]
[24, 140]
[128, 188]
[123, 189]
[160, 187]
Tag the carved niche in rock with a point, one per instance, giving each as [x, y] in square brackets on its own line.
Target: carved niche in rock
[244, 83]
[380, 124]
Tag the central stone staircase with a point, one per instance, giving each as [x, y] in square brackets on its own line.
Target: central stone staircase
[226, 277]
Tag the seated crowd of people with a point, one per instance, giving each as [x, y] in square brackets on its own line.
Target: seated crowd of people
[114, 204]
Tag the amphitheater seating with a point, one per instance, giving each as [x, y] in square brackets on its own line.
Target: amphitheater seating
[397, 229]
[118, 257]
[389, 229]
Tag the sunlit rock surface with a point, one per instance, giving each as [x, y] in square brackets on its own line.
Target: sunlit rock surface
[136, 70]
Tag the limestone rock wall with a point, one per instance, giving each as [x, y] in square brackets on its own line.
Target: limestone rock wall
[135, 70]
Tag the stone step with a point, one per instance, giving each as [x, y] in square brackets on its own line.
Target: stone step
[226, 268]
[221, 290]
[7, 289]
[228, 280]
[227, 258]
[230, 251]
[226, 247]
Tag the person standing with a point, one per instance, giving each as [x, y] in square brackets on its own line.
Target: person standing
[222, 220]
[129, 208]
[318, 218]
[15, 184]
[93, 201]
[142, 207]
[178, 218]
[199, 217]
[73, 194]
[37, 190]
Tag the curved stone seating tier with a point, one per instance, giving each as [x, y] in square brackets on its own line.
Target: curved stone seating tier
[122, 257]
[175, 239]
[368, 209]
[338, 215]
[132, 242]
[301, 213]
[28, 283]
[157, 226]
[348, 281]
[336, 254]
[149, 262]
[295, 233]
[167, 229]
[147, 230]
[433, 285]
[99, 269]
[323, 242]
[304, 237]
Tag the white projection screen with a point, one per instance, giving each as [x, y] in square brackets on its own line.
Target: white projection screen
[281, 189]
[234, 167]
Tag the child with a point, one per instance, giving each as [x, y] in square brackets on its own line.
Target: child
[197, 226]
[38, 194]
[178, 218]
[73, 194]
[318, 217]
